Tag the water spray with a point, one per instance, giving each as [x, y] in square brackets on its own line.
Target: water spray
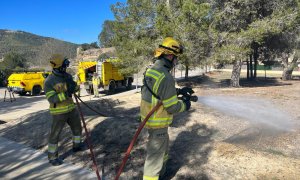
[252, 109]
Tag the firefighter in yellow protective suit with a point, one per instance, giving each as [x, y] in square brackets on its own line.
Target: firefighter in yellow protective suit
[159, 85]
[96, 82]
[59, 87]
[78, 81]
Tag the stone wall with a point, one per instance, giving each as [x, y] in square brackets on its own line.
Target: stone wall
[89, 55]
[92, 54]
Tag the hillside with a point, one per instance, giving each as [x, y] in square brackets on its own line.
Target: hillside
[35, 48]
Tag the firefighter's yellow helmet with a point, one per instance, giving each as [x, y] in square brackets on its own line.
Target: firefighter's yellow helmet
[169, 46]
[57, 60]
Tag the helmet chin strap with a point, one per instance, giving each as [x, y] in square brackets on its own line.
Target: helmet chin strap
[63, 69]
[65, 65]
[59, 70]
[174, 58]
[170, 62]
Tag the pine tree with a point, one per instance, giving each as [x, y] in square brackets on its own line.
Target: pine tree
[246, 28]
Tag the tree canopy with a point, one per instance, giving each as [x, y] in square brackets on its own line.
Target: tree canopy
[12, 61]
[212, 31]
[87, 46]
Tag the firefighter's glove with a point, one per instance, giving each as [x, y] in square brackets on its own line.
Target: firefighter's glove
[72, 87]
[187, 104]
[185, 91]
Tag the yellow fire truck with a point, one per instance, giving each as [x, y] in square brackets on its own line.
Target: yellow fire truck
[23, 82]
[109, 75]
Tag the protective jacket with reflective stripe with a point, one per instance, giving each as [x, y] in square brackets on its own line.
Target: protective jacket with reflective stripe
[95, 80]
[56, 93]
[161, 82]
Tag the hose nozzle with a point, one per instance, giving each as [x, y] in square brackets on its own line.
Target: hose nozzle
[194, 98]
[189, 98]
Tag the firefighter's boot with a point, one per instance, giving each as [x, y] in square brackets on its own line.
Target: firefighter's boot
[56, 162]
[78, 147]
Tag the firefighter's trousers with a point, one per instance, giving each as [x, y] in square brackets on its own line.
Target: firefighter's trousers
[157, 153]
[58, 123]
[95, 88]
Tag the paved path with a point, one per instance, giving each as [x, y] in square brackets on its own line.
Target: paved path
[20, 162]
[23, 105]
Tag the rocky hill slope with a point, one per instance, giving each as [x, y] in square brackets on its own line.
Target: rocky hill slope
[36, 49]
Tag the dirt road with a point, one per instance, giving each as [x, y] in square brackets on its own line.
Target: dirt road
[242, 138]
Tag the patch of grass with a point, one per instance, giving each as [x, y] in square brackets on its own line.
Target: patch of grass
[275, 152]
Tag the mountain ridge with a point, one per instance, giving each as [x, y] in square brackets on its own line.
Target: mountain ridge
[35, 48]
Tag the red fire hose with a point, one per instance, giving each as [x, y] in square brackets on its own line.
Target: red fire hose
[135, 138]
[88, 139]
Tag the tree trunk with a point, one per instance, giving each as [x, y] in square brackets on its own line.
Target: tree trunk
[255, 67]
[255, 58]
[251, 67]
[236, 72]
[248, 69]
[137, 81]
[288, 68]
[186, 72]
[173, 72]
[287, 74]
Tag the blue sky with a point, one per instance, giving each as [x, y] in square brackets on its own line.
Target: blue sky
[77, 21]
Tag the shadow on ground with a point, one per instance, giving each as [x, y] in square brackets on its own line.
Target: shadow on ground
[20, 162]
[265, 139]
[31, 129]
[119, 90]
[215, 80]
[111, 137]
[20, 103]
[263, 82]
[190, 150]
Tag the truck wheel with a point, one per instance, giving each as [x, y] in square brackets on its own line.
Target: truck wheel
[112, 87]
[36, 90]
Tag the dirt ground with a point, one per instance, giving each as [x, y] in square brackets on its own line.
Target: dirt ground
[217, 139]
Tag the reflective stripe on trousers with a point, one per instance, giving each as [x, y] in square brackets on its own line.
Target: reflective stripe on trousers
[77, 139]
[150, 178]
[52, 148]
